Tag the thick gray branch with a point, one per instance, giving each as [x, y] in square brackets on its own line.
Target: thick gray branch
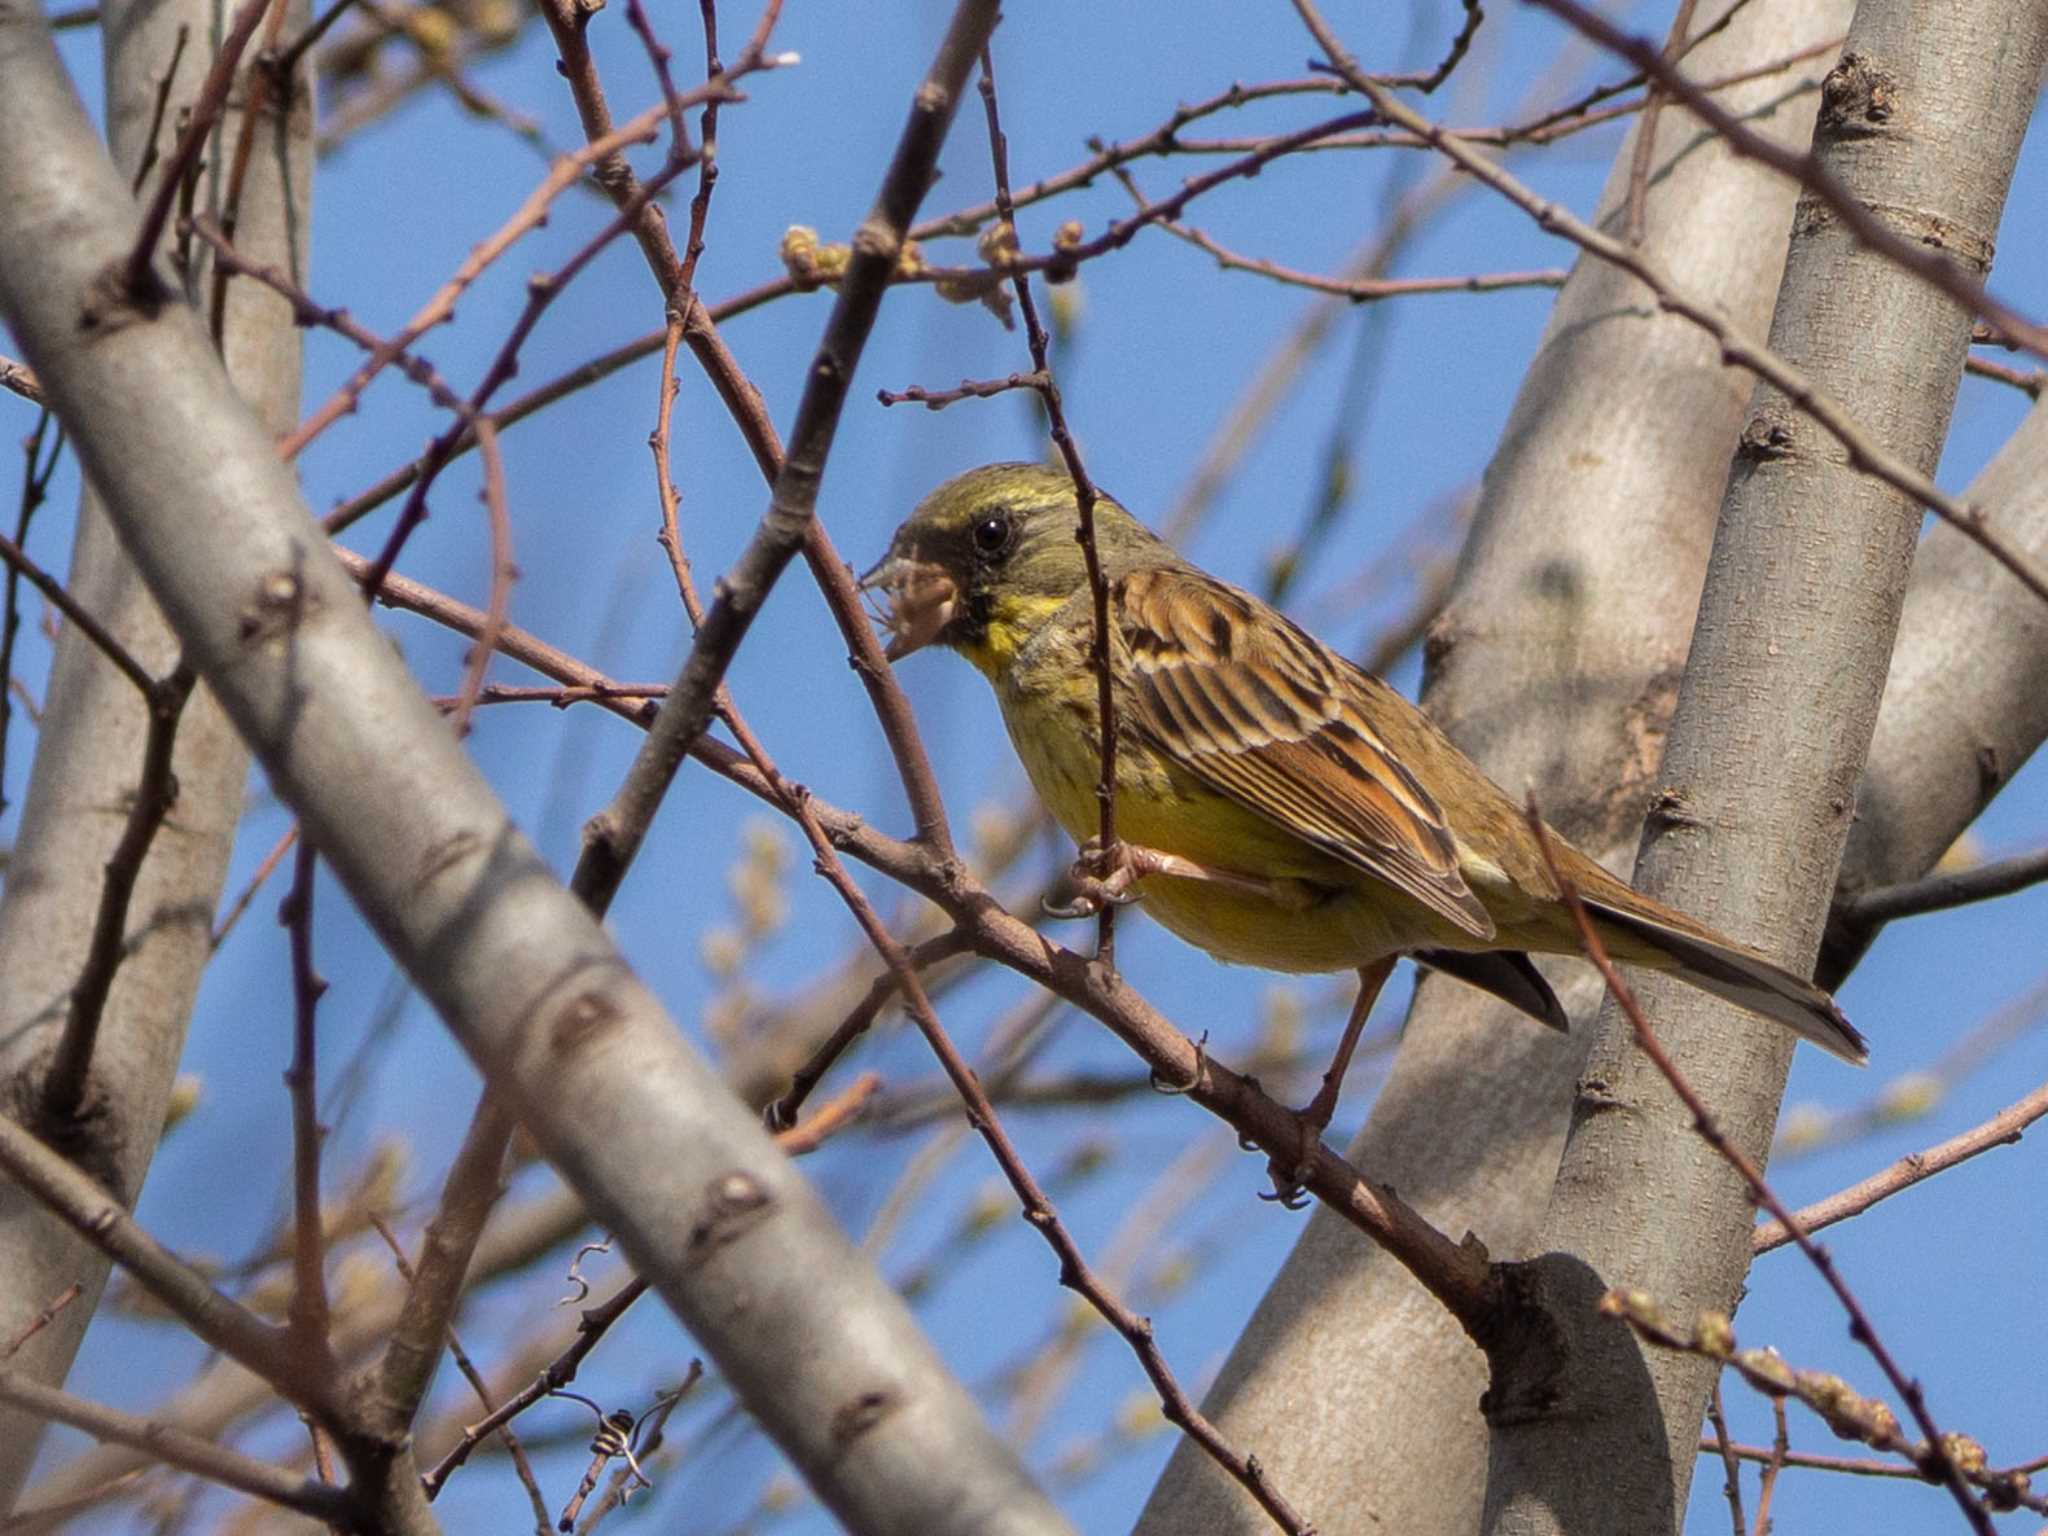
[821, 1351]
[1555, 664]
[1922, 121]
[89, 752]
[1964, 707]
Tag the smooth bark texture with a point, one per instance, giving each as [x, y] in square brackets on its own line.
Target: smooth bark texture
[1922, 121]
[89, 753]
[1964, 707]
[821, 1351]
[1555, 665]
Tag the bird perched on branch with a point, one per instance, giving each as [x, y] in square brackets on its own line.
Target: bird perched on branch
[1275, 805]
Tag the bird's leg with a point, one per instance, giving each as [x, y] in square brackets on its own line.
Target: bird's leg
[1101, 877]
[1314, 1118]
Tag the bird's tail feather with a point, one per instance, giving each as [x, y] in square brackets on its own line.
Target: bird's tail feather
[1738, 975]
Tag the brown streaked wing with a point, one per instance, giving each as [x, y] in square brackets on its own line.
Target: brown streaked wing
[1261, 712]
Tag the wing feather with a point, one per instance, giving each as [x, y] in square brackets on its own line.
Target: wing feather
[1261, 712]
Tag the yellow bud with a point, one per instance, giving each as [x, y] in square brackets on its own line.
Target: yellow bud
[1066, 304]
[1139, 1416]
[1714, 1335]
[1965, 1452]
[186, 1092]
[997, 244]
[810, 263]
[1802, 1126]
[783, 1492]
[721, 950]
[1910, 1096]
[432, 30]
[1768, 1367]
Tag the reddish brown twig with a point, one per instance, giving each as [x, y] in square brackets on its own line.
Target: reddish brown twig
[969, 389]
[39, 1322]
[2001, 1130]
[1731, 1469]
[1048, 390]
[77, 614]
[309, 1309]
[1646, 130]
[503, 572]
[156, 791]
[138, 279]
[782, 1113]
[248, 892]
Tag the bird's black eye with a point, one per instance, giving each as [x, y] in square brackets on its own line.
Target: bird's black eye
[992, 535]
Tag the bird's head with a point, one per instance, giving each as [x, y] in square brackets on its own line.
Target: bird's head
[991, 555]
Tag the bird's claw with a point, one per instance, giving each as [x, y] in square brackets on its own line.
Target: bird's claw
[1093, 881]
[1290, 1179]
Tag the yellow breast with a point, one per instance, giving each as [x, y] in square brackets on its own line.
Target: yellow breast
[1329, 916]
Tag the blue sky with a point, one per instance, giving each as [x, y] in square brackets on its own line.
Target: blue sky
[1163, 346]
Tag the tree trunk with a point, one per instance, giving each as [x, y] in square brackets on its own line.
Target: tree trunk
[89, 752]
[1556, 664]
[1922, 123]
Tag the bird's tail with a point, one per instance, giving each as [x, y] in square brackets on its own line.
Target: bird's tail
[1719, 965]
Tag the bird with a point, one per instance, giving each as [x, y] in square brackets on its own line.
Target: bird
[1275, 804]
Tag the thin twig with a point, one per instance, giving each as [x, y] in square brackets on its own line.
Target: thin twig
[1048, 389]
[36, 471]
[2001, 1130]
[265, 88]
[2033, 381]
[64, 1089]
[39, 1322]
[782, 1113]
[174, 1447]
[1781, 1446]
[309, 1309]
[150, 153]
[1730, 1467]
[498, 518]
[288, 57]
[21, 379]
[138, 278]
[1460, 45]
[248, 892]
[76, 613]
[1944, 889]
[1646, 129]
[969, 389]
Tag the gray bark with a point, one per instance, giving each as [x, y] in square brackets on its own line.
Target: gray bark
[1964, 707]
[815, 1344]
[89, 757]
[1555, 665]
[1923, 122]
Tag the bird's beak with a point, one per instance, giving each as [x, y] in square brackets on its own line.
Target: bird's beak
[919, 600]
